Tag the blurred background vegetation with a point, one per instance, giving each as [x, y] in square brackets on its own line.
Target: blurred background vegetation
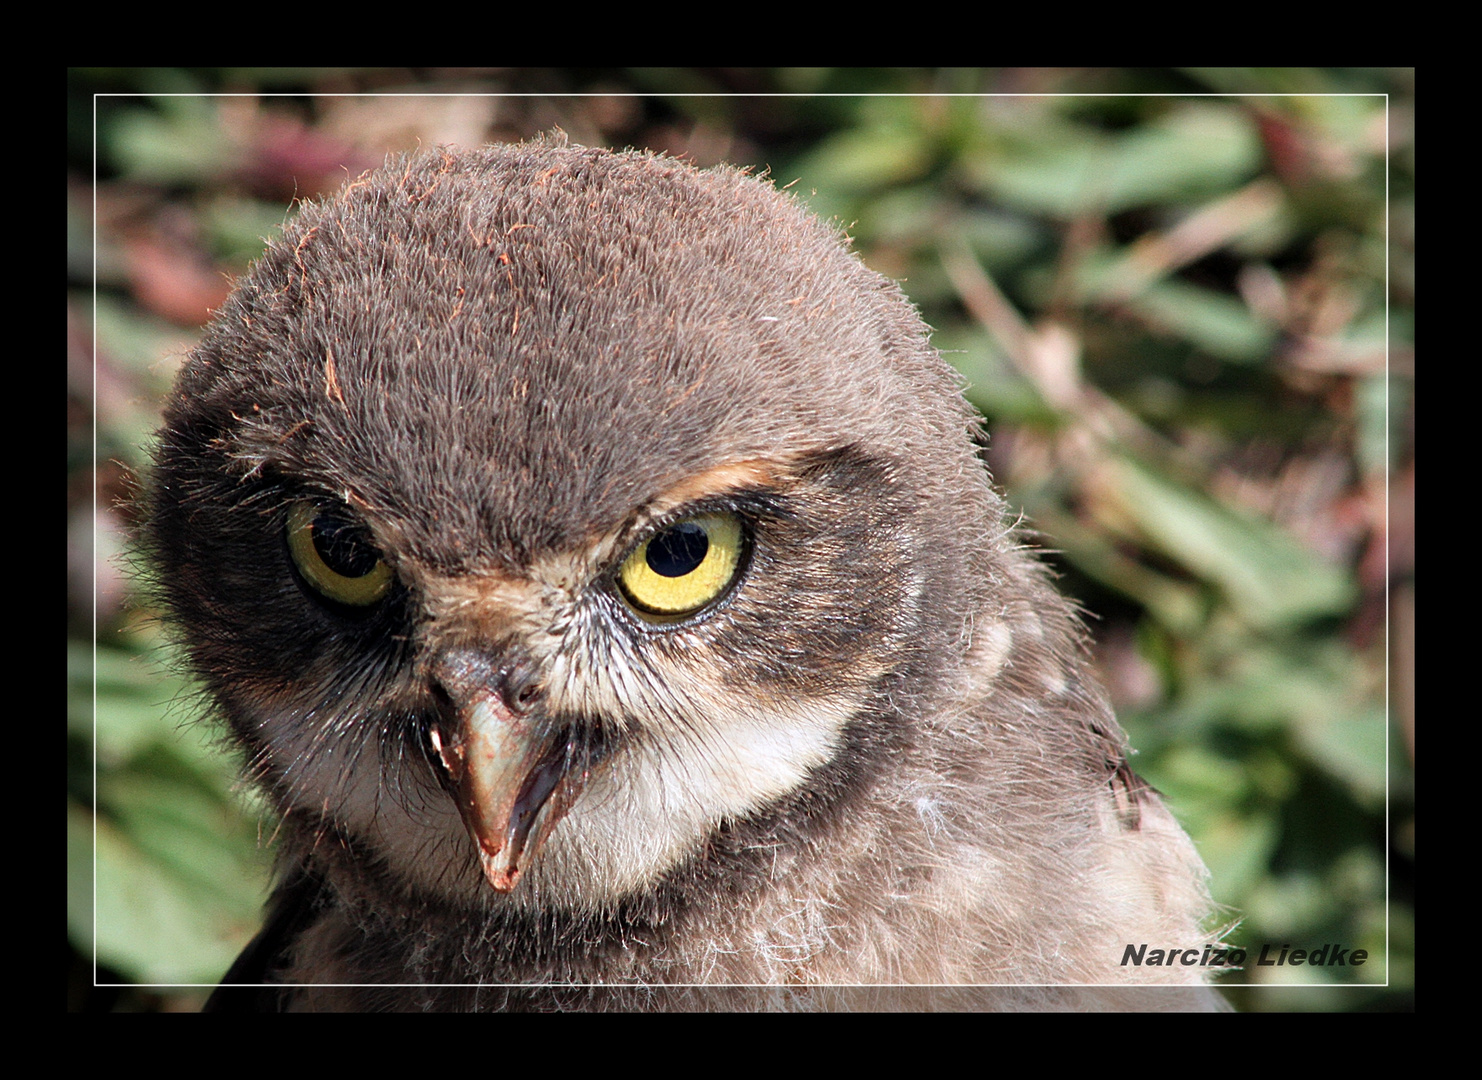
[1183, 300]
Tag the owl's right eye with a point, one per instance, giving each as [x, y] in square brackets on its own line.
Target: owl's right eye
[333, 552]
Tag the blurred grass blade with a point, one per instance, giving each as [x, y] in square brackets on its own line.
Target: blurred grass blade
[1270, 578]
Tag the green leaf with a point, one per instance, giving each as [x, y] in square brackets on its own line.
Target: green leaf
[154, 926]
[134, 701]
[1269, 578]
[1214, 322]
[180, 140]
[1195, 150]
[1069, 170]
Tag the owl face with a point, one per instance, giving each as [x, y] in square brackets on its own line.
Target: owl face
[546, 522]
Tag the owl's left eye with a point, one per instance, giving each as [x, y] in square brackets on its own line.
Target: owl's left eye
[334, 554]
[684, 567]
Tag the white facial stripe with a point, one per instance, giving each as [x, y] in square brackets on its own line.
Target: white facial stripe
[338, 771]
[639, 816]
[652, 806]
[701, 754]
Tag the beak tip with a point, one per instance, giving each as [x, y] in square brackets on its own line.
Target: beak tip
[501, 874]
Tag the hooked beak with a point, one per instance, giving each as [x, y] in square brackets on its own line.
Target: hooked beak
[513, 773]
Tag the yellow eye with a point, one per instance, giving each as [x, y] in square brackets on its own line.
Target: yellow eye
[334, 553]
[684, 567]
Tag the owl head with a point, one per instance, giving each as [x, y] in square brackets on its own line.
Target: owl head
[549, 522]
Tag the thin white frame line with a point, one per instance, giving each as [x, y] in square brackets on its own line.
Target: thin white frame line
[1138, 987]
[93, 320]
[1388, 589]
[1388, 477]
[687, 95]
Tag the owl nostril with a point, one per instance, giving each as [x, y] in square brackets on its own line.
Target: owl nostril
[462, 675]
[521, 687]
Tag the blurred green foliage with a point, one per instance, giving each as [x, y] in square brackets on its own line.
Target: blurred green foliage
[1183, 300]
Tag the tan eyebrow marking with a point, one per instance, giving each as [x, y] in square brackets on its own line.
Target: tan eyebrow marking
[733, 476]
[720, 480]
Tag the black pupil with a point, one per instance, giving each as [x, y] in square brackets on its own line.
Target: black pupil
[343, 546]
[677, 551]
